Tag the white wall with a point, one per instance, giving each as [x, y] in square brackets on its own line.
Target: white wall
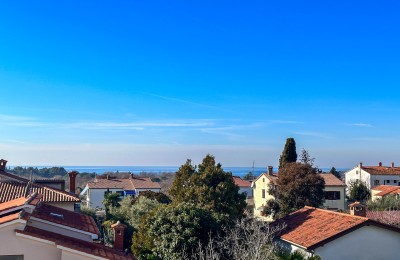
[96, 197]
[367, 243]
[11, 244]
[335, 204]
[72, 256]
[369, 179]
[59, 230]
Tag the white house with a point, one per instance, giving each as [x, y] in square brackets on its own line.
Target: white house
[95, 191]
[32, 230]
[374, 176]
[244, 186]
[333, 235]
[334, 192]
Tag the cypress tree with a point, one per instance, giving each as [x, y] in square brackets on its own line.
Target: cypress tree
[289, 154]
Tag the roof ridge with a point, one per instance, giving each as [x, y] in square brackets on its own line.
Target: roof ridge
[335, 212]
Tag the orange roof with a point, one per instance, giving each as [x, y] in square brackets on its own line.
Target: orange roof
[382, 170]
[331, 180]
[10, 217]
[33, 199]
[241, 183]
[386, 189]
[125, 184]
[10, 190]
[66, 218]
[311, 227]
[96, 249]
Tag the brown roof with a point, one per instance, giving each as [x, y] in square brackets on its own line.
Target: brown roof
[331, 180]
[241, 183]
[10, 190]
[76, 244]
[311, 227]
[66, 218]
[125, 184]
[386, 189]
[382, 170]
[33, 199]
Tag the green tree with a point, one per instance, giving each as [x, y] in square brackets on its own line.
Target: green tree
[299, 185]
[359, 191]
[289, 154]
[111, 200]
[305, 157]
[173, 231]
[249, 176]
[209, 187]
[335, 172]
[158, 196]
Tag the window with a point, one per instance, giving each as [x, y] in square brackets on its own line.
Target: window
[263, 179]
[394, 181]
[11, 257]
[263, 193]
[386, 181]
[376, 182]
[332, 195]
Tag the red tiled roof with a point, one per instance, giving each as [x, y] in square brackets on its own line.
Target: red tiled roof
[331, 180]
[33, 199]
[241, 183]
[69, 218]
[310, 227]
[386, 189]
[125, 184]
[382, 170]
[76, 244]
[10, 190]
[391, 217]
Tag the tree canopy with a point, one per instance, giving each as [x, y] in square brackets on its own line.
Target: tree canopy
[289, 154]
[210, 187]
[299, 185]
[335, 172]
[359, 191]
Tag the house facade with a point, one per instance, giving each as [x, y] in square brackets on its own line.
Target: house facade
[261, 193]
[382, 191]
[334, 192]
[373, 176]
[333, 235]
[32, 230]
[244, 186]
[94, 191]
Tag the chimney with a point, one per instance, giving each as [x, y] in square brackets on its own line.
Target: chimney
[360, 165]
[358, 209]
[392, 164]
[118, 235]
[3, 164]
[380, 164]
[72, 176]
[270, 170]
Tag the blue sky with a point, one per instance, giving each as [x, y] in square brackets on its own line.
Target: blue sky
[157, 82]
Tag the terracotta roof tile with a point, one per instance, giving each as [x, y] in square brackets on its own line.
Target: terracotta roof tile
[331, 180]
[10, 217]
[33, 199]
[386, 189]
[76, 244]
[16, 188]
[69, 218]
[309, 227]
[240, 182]
[382, 170]
[125, 184]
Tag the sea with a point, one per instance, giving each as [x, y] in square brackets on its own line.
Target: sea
[236, 171]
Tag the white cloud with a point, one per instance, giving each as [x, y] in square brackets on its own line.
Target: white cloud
[362, 125]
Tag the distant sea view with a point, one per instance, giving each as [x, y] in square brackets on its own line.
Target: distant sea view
[237, 171]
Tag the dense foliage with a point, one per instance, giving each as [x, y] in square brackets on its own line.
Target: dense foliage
[173, 231]
[209, 187]
[38, 173]
[359, 191]
[388, 202]
[299, 185]
[289, 154]
[158, 196]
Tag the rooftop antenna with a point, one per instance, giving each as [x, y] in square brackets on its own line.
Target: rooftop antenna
[252, 173]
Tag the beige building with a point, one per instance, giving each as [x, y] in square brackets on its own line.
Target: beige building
[381, 191]
[33, 230]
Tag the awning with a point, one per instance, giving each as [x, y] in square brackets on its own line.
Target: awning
[130, 192]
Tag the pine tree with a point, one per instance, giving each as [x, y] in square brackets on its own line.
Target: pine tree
[289, 154]
[336, 173]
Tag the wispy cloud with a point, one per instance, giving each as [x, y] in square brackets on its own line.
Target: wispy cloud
[133, 126]
[314, 134]
[362, 125]
[286, 122]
